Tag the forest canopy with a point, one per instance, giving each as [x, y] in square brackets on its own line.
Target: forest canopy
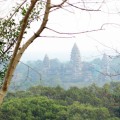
[42, 103]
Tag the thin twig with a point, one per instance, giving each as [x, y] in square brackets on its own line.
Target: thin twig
[73, 33]
[17, 9]
[57, 37]
[85, 9]
[59, 5]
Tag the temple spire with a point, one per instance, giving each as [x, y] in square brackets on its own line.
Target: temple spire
[75, 62]
[46, 62]
[75, 55]
[105, 64]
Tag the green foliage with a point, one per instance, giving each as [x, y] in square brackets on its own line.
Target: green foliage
[9, 31]
[35, 108]
[42, 108]
[35, 14]
[87, 112]
[90, 103]
[8, 35]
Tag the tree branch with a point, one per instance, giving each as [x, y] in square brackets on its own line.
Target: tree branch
[71, 33]
[17, 9]
[85, 9]
[24, 47]
[59, 5]
[11, 66]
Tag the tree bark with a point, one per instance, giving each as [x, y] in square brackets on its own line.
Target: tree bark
[18, 53]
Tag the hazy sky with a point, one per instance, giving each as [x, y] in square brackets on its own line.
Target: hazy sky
[71, 19]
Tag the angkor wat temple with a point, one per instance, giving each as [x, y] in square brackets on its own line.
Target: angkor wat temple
[74, 72]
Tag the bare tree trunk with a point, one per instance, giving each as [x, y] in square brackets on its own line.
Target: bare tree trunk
[17, 54]
[12, 66]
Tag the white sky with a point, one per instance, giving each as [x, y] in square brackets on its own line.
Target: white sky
[78, 21]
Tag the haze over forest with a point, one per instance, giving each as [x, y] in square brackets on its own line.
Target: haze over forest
[75, 72]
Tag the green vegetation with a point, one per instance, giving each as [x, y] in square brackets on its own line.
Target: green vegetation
[46, 103]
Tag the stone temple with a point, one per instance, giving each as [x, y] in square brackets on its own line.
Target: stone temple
[74, 70]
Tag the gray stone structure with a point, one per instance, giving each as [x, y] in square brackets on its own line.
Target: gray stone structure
[75, 62]
[46, 63]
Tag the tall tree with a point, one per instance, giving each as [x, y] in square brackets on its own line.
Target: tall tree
[12, 32]
[19, 50]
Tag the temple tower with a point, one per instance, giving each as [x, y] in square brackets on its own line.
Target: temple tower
[105, 64]
[46, 63]
[75, 62]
